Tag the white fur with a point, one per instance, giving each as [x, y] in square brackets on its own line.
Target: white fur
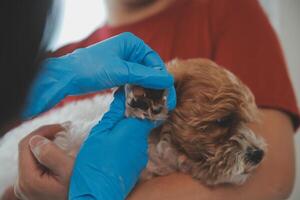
[83, 114]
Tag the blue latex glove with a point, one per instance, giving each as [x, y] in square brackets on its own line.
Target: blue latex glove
[113, 156]
[113, 62]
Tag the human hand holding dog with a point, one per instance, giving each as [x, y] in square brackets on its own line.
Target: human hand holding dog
[44, 169]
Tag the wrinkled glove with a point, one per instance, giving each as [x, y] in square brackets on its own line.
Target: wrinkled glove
[113, 156]
[113, 62]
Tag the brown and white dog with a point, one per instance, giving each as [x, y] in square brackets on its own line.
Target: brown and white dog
[206, 136]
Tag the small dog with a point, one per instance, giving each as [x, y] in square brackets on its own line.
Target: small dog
[206, 136]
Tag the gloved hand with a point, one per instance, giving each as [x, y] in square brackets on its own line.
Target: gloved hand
[113, 62]
[113, 156]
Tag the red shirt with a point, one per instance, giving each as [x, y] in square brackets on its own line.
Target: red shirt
[233, 33]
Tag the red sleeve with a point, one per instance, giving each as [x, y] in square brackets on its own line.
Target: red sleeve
[245, 42]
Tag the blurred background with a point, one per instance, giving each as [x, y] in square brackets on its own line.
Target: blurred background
[80, 17]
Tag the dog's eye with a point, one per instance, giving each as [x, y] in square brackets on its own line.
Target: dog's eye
[225, 121]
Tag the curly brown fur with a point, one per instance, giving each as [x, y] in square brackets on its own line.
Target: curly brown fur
[207, 136]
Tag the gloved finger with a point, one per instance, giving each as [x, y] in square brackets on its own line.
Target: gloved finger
[148, 77]
[114, 115]
[171, 99]
[153, 60]
[52, 157]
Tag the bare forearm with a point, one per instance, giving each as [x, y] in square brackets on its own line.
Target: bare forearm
[272, 180]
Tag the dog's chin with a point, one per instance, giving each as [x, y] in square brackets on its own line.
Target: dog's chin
[237, 179]
[237, 176]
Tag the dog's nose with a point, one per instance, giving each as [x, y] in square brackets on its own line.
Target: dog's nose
[255, 155]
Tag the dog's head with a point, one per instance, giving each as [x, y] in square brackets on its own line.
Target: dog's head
[209, 124]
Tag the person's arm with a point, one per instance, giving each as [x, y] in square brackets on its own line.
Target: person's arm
[272, 180]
